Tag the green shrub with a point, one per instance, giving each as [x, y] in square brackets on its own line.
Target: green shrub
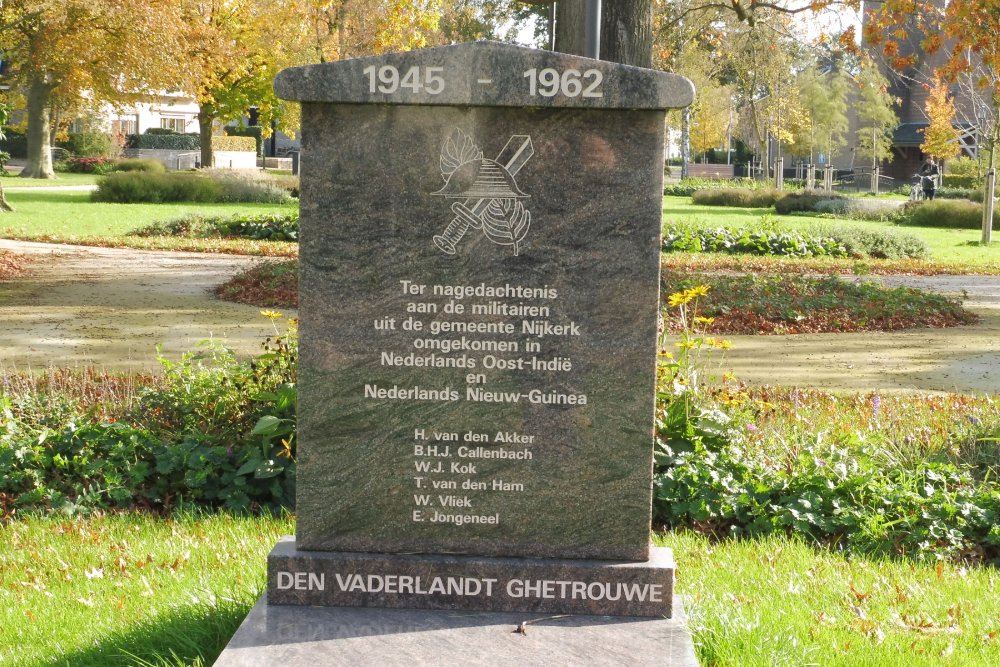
[865, 501]
[860, 209]
[960, 181]
[233, 143]
[92, 144]
[743, 198]
[286, 182]
[863, 243]
[4, 159]
[89, 165]
[753, 242]
[14, 143]
[247, 185]
[802, 201]
[963, 166]
[689, 186]
[959, 193]
[135, 187]
[213, 431]
[821, 241]
[141, 164]
[172, 141]
[949, 213]
[271, 227]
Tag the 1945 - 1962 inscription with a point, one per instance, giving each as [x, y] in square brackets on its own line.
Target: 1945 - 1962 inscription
[546, 82]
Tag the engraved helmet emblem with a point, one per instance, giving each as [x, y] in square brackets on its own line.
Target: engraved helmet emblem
[490, 195]
[481, 179]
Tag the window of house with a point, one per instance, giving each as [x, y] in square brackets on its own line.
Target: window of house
[125, 125]
[175, 123]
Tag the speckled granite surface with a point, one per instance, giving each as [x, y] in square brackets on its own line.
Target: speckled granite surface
[479, 294]
[276, 636]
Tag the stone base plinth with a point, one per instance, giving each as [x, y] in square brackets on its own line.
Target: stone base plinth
[432, 581]
[281, 636]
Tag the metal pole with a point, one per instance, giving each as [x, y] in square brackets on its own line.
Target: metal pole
[552, 27]
[592, 30]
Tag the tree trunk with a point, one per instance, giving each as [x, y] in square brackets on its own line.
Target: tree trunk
[570, 17]
[206, 114]
[39, 149]
[626, 30]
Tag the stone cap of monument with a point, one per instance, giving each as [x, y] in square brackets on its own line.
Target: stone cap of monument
[485, 74]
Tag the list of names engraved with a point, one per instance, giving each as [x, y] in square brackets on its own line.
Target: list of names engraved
[484, 331]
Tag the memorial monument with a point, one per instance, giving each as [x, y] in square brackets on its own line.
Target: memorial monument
[479, 251]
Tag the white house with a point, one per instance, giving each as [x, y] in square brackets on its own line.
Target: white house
[173, 111]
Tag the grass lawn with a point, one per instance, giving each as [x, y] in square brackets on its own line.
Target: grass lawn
[127, 590]
[780, 602]
[136, 589]
[60, 179]
[951, 249]
[70, 217]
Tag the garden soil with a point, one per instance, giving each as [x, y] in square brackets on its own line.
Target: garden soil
[113, 307]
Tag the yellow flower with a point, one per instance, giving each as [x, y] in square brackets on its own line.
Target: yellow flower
[678, 299]
[704, 320]
[700, 290]
[270, 314]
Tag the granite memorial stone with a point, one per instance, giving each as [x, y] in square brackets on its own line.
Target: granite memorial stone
[479, 294]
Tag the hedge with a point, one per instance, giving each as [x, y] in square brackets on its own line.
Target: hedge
[738, 197]
[255, 131]
[170, 142]
[16, 143]
[229, 143]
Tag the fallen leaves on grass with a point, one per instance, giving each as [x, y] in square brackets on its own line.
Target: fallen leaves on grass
[274, 284]
[683, 262]
[795, 304]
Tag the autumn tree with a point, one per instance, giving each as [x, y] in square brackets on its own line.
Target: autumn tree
[711, 111]
[234, 50]
[341, 29]
[966, 32]
[876, 116]
[940, 136]
[107, 50]
[823, 98]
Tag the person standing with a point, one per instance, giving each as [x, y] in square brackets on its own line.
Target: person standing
[928, 177]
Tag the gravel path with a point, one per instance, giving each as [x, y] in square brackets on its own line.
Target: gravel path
[959, 359]
[112, 307]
